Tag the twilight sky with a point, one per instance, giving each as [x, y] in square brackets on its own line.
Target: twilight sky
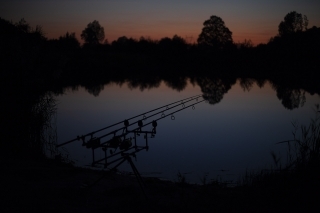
[257, 20]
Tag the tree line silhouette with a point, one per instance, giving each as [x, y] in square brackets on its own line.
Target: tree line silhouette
[27, 54]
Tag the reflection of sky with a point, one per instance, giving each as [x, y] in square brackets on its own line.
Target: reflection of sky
[236, 134]
[255, 20]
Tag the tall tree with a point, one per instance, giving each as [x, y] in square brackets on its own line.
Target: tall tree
[93, 34]
[23, 26]
[215, 34]
[293, 22]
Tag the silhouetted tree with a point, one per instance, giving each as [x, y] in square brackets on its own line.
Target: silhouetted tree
[106, 42]
[124, 43]
[147, 45]
[293, 22]
[215, 34]
[69, 41]
[173, 46]
[39, 31]
[246, 44]
[93, 34]
[122, 39]
[165, 43]
[23, 26]
[178, 42]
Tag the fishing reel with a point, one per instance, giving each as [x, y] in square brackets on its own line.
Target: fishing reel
[154, 129]
[92, 143]
[116, 142]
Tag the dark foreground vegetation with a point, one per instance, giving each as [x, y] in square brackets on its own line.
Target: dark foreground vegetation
[33, 68]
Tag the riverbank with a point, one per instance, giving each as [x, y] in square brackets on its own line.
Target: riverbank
[48, 186]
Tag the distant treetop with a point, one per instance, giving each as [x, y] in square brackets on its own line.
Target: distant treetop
[293, 22]
[93, 34]
[215, 34]
[23, 26]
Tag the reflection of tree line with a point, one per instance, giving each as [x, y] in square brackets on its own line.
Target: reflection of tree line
[27, 112]
[213, 88]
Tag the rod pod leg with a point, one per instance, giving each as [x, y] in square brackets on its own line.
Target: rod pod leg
[137, 174]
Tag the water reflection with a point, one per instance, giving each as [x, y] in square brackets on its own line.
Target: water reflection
[247, 83]
[213, 88]
[176, 83]
[94, 89]
[260, 82]
[291, 98]
[143, 83]
[238, 133]
[292, 94]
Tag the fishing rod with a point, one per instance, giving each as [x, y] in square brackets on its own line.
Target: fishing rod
[136, 131]
[142, 114]
[120, 141]
[152, 122]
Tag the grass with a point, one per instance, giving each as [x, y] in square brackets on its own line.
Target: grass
[299, 179]
[294, 186]
[305, 150]
[181, 179]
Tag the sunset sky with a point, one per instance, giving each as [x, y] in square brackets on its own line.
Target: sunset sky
[256, 20]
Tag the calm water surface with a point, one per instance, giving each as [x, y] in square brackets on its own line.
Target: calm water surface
[220, 141]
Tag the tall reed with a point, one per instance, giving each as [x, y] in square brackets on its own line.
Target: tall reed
[303, 159]
[304, 150]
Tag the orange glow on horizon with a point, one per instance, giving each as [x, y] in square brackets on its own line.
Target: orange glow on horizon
[189, 32]
[190, 38]
[251, 20]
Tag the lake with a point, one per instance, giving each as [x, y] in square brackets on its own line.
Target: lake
[233, 132]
